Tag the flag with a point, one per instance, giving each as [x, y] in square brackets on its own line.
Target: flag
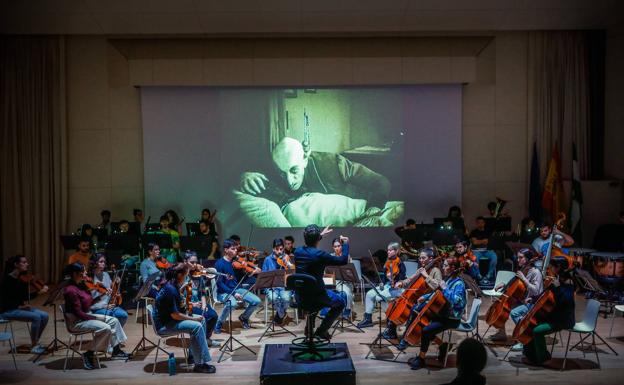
[576, 200]
[553, 187]
[535, 190]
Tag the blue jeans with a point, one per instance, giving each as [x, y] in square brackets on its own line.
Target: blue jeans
[518, 312]
[116, 312]
[210, 318]
[196, 330]
[280, 299]
[343, 298]
[252, 303]
[492, 257]
[336, 304]
[38, 320]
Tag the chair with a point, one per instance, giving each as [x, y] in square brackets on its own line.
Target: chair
[470, 326]
[616, 308]
[305, 288]
[358, 268]
[161, 336]
[502, 277]
[75, 334]
[410, 268]
[8, 336]
[588, 327]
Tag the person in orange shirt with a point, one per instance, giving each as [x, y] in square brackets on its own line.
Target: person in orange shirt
[83, 254]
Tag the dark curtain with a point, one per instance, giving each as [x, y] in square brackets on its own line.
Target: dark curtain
[33, 176]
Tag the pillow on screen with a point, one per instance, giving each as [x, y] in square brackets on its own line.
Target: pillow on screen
[326, 209]
[260, 211]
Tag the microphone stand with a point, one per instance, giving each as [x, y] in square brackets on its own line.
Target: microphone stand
[228, 345]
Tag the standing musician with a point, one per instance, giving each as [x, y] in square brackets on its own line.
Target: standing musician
[199, 302]
[205, 231]
[226, 285]
[102, 302]
[108, 330]
[14, 303]
[541, 243]
[312, 261]
[148, 267]
[279, 296]
[454, 291]
[534, 282]
[341, 249]
[433, 277]
[83, 254]
[394, 272]
[560, 318]
[169, 318]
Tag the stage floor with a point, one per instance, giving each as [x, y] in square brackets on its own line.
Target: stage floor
[244, 368]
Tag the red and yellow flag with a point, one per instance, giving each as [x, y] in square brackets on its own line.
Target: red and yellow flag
[552, 198]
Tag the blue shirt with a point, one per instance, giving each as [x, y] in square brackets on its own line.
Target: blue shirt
[147, 269]
[312, 261]
[167, 302]
[455, 294]
[270, 263]
[225, 285]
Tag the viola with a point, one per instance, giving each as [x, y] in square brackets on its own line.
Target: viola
[284, 261]
[392, 266]
[243, 264]
[97, 286]
[426, 315]
[35, 283]
[115, 292]
[189, 296]
[162, 263]
[399, 310]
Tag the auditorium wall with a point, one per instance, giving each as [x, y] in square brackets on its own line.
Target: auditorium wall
[105, 136]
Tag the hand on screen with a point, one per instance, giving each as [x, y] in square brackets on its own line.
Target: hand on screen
[253, 182]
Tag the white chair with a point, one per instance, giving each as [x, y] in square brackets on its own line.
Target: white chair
[502, 277]
[587, 327]
[616, 308]
[410, 268]
[470, 326]
[161, 336]
[8, 336]
[358, 268]
[75, 334]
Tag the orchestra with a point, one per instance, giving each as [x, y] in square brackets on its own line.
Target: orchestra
[539, 299]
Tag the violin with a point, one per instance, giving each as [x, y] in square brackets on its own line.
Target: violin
[115, 292]
[189, 296]
[392, 266]
[284, 262]
[243, 264]
[36, 284]
[399, 310]
[209, 273]
[162, 263]
[97, 286]
[249, 253]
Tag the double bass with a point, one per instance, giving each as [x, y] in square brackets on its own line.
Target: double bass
[399, 310]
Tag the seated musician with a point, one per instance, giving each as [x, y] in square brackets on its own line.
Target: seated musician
[343, 288]
[102, 303]
[279, 296]
[149, 269]
[541, 243]
[560, 318]
[433, 277]
[468, 259]
[480, 239]
[170, 317]
[289, 246]
[199, 301]
[534, 282]
[454, 291]
[16, 295]
[394, 272]
[108, 330]
[312, 261]
[226, 286]
[82, 254]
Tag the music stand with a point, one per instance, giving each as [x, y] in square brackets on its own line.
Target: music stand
[346, 274]
[142, 293]
[50, 301]
[228, 345]
[272, 280]
[444, 237]
[378, 341]
[154, 226]
[70, 242]
[200, 244]
[192, 228]
[120, 244]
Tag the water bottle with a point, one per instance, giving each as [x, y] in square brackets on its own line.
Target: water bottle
[171, 364]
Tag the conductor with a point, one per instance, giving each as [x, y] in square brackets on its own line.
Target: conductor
[312, 261]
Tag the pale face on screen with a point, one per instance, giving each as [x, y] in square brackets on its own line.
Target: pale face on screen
[290, 159]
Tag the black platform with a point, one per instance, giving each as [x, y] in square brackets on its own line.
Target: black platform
[278, 367]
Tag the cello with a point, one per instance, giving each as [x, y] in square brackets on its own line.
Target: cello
[428, 313]
[399, 310]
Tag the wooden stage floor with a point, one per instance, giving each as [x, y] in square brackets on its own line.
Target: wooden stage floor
[245, 368]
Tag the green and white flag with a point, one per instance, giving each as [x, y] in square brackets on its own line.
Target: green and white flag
[577, 199]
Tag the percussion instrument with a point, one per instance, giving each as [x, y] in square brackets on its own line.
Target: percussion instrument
[583, 257]
[608, 266]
